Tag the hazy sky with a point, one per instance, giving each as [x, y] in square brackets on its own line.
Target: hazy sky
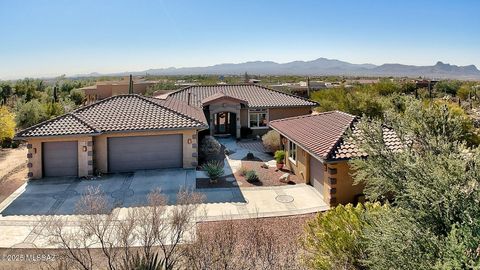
[50, 38]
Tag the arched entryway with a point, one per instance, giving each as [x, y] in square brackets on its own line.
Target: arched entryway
[225, 123]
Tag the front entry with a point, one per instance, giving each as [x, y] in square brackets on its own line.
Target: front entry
[225, 123]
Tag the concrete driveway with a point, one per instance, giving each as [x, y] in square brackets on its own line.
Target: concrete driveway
[60, 196]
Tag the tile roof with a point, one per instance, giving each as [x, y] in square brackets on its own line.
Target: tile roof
[347, 148]
[317, 134]
[324, 135]
[255, 95]
[121, 113]
[220, 95]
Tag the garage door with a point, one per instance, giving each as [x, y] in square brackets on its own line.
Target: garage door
[126, 154]
[60, 159]
[316, 174]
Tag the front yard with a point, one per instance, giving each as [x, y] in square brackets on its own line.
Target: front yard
[246, 166]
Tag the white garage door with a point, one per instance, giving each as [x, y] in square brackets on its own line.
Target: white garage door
[316, 174]
[127, 154]
[60, 159]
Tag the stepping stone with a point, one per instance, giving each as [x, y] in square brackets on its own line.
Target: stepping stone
[230, 179]
[284, 198]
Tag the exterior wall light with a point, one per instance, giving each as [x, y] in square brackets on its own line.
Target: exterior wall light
[84, 148]
[189, 141]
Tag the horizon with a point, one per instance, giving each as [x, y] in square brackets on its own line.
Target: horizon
[48, 39]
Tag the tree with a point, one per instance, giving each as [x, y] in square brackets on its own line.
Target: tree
[7, 124]
[5, 92]
[334, 239]
[432, 184]
[77, 96]
[448, 87]
[30, 113]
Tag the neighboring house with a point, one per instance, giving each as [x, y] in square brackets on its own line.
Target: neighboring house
[125, 133]
[231, 108]
[105, 89]
[318, 149]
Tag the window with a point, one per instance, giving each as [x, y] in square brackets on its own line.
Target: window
[292, 151]
[257, 118]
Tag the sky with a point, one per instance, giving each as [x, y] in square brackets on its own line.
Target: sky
[46, 38]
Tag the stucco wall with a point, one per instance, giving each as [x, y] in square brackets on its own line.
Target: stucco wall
[300, 167]
[280, 113]
[273, 114]
[338, 184]
[338, 187]
[189, 149]
[85, 158]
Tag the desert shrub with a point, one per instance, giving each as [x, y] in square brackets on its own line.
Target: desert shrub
[250, 156]
[30, 113]
[243, 171]
[251, 176]
[334, 239]
[210, 146]
[279, 156]
[214, 169]
[271, 141]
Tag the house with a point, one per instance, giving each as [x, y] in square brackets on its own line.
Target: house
[105, 89]
[229, 109]
[124, 133]
[318, 149]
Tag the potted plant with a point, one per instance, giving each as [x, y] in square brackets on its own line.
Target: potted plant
[279, 158]
[214, 170]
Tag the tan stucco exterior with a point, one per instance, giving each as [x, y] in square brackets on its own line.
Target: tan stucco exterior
[85, 158]
[95, 158]
[274, 114]
[107, 89]
[280, 113]
[338, 187]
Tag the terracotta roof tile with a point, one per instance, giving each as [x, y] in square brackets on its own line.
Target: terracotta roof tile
[318, 133]
[121, 113]
[325, 135]
[255, 95]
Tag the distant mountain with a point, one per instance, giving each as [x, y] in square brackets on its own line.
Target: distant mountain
[322, 66]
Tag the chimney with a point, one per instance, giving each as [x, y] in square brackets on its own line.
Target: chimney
[188, 98]
[130, 85]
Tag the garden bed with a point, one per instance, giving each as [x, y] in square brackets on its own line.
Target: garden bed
[267, 177]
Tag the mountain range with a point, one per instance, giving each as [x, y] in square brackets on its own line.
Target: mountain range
[321, 66]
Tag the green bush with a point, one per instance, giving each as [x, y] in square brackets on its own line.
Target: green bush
[279, 156]
[214, 169]
[251, 176]
[334, 239]
[210, 146]
[77, 96]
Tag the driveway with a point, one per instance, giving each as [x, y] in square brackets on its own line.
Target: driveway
[60, 196]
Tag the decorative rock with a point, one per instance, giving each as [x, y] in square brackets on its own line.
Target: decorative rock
[285, 178]
[264, 165]
[230, 179]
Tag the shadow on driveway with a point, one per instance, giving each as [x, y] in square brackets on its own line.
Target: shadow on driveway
[59, 196]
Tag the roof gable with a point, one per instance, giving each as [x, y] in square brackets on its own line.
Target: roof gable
[255, 95]
[324, 135]
[120, 113]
